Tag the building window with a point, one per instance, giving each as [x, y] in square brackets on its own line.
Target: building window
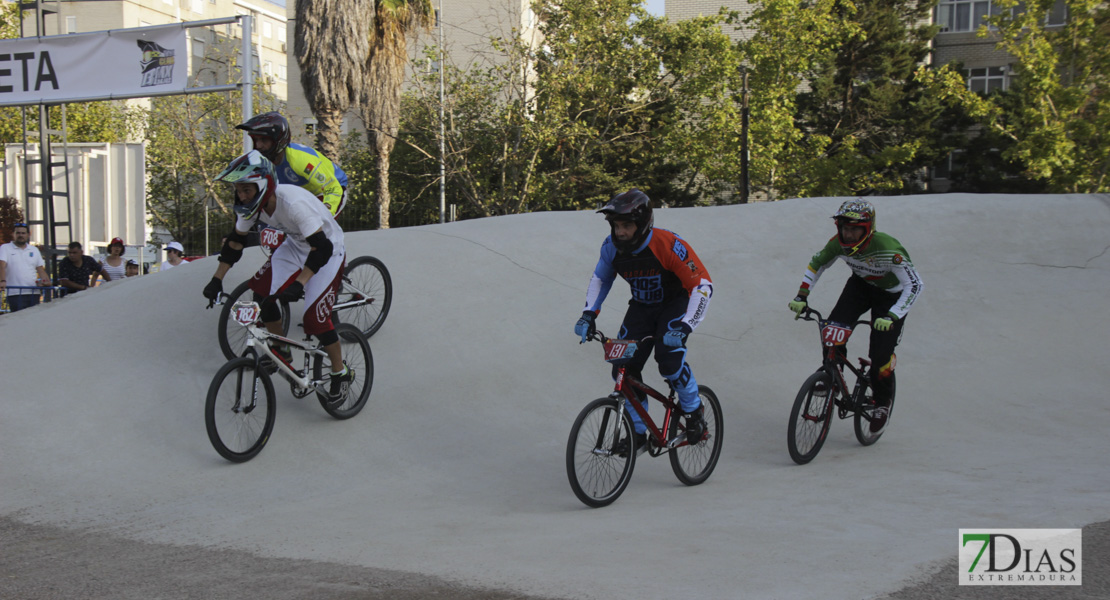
[281, 34]
[198, 6]
[198, 48]
[1058, 14]
[71, 24]
[267, 29]
[310, 126]
[282, 74]
[964, 15]
[986, 80]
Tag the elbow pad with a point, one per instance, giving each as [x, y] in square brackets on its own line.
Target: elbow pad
[228, 254]
[320, 253]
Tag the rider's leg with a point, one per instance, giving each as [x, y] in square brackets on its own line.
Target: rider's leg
[319, 295]
[853, 302]
[881, 353]
[639, 322]
[672, 361]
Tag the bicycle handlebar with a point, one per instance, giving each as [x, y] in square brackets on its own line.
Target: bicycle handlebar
[808, 313]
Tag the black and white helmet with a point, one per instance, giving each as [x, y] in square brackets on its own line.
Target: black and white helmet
[269, 125]
[634, 206]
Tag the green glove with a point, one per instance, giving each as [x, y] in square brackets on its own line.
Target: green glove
[798, 304]
[883, 323]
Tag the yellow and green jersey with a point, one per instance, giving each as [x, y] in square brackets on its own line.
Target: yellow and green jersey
[311, 170]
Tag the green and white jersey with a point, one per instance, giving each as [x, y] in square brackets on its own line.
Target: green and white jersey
[883, 263]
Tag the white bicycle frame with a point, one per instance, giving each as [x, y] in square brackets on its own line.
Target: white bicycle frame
[246, 313]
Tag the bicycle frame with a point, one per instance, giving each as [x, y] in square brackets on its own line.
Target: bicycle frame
[246, 314]
[626, 387]
[834, 362]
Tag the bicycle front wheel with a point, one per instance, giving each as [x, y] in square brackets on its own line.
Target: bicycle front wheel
[863, 418]
[232, 335]
[693, 463]
[240, 409]
[365, 279]
[356, 353]
[810, 418]
[598, 474]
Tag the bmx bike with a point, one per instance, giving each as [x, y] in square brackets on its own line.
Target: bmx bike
[826, 389]
[601, 451]
[240, 408]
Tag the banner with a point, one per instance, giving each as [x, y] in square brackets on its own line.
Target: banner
[122, 63]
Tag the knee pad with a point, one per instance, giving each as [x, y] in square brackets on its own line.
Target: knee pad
[328, 337]
[270, 311]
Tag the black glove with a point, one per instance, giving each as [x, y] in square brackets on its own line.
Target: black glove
[290, 294]
[585, 326]
[213, 290]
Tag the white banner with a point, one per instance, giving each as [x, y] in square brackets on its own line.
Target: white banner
[123, 63]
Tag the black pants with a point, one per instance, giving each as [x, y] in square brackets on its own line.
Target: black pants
[857, 298]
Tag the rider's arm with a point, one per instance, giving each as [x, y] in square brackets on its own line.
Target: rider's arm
[602, 278]
[678, 257]
[232, 249]
[817, 265]
[911, 288]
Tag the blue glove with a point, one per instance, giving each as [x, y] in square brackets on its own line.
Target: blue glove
[585, 326]
[292, 293]
[677, 338]
[883, 323]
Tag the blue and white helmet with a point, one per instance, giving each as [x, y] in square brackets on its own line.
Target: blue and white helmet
[254, 168]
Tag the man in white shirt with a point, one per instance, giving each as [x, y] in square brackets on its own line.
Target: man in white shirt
[309, 263]
[22, 269]
[174, 254]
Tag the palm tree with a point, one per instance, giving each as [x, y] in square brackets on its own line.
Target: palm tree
[331, 47]
[380, 97]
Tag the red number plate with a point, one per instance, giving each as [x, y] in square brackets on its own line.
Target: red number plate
[271, 238]
[835, 335]
[245, 314]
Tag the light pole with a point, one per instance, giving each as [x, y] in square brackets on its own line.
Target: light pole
[442, 129]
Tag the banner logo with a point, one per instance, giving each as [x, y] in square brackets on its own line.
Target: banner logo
[1021, 557]
[156, 63]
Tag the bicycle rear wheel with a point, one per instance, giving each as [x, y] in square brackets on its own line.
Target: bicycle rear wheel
[597, 475]
[694, 463]
[232, 335]
[240, 409]
[810, 418]
[863, 417]
[356, 353]
[366, 278]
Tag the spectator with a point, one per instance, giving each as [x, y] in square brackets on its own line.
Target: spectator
[113, 267]
[132, 269]
[74, 271]
[174, 255]
[22, 268]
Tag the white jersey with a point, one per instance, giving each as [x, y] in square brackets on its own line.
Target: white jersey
[22, 266]
[299, 214]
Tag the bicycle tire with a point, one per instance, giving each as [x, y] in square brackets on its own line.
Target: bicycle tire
[863, 419]
[694, 463]
[356, 352]
[597, 476]
[810, 419]
[239, 433]
[366, 276]
[232, 335]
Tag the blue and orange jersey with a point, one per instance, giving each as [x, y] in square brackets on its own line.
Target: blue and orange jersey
[313, 171]
[663, 268]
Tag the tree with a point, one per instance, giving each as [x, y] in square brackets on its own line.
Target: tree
[331, 48]
[878, 126]
[380, 92]
[9, 213]
[1057, 115]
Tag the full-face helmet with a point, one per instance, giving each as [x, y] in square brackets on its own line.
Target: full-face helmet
[858, 213]
[269, 125]
[253, 168]
[634, 206]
